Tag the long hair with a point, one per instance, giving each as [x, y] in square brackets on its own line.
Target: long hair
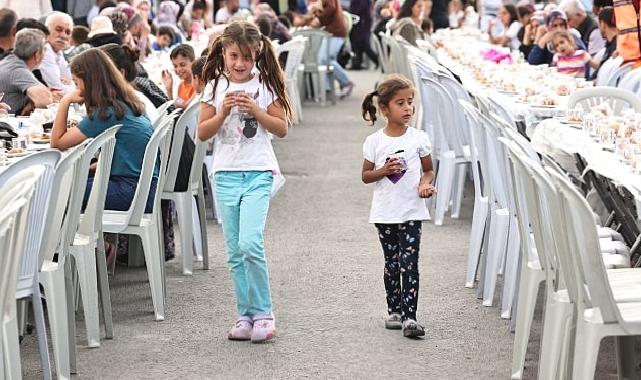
[385, 92]
[249, 39]
[124, 57]
[514, 14]
[406, 9]
[104, 85]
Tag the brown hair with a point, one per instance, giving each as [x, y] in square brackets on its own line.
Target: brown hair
[248, 38]
[104, 86]
[185, 50]
[79, 34]
[385, 91]
[564, 34]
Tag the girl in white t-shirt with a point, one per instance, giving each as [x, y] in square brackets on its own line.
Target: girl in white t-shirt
[243, 105]
[398, 160]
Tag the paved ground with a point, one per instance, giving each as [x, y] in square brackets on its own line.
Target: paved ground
[326, 275]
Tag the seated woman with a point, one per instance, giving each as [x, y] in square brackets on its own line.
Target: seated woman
[509, 18]
[109, 100]
[409, 21]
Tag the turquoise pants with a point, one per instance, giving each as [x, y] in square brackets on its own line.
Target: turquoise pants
[243, 201]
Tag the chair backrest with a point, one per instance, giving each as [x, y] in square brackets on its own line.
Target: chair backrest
[188, 118]
[59, 202]
[496, 163]
[7, 218]
[617, 98]
[472, 116]
[157, 145]
[618, 74]
[166, 116]
[451, 123]
[162, 109]
[607, 69]
[48, 160]
[383, 60]
[394, 52]
[295, 50]
[16, 199]
[103, 145]
[313, 56]
[522, 142]
[594, 286]
[631, 81]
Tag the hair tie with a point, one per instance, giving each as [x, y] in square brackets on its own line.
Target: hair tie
[375, 93]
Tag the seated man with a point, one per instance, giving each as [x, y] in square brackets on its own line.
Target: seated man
[54, 68]
[22, 91]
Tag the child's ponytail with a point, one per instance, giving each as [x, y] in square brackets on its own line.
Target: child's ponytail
[272, 75]
[368, 107]
[215, 64]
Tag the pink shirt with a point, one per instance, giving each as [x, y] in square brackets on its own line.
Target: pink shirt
[572, 64]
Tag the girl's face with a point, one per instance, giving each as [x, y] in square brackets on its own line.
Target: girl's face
[400, 109]
[80, 84]
[417, 10]
[163, 40]
[238, 64]
[505, 16]
[563, 46]
[197, 14]
[182, 66]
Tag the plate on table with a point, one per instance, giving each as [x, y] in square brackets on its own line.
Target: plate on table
[569, 122]
[40, 140]
[547, 106]
[17, 154]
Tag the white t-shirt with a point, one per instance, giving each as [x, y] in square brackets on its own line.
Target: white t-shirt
[241, 144]
[398, 202]
[512, 32]
[223, 15]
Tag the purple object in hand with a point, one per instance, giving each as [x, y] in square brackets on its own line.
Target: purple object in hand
[397, 176]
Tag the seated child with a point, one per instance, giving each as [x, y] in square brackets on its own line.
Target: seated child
[567, 58]
[182, 57]
[164, 38]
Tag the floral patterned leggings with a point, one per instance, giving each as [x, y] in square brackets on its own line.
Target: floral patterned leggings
[401, 244]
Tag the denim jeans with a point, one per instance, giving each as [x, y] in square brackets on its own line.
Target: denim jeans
[243, 200]
[120, 193]
[335, 44]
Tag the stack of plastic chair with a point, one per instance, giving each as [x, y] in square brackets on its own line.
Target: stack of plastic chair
[618, 74]
[607, 69]
[617, 98]
[183, 199]
[451, 152]
[295, 50]
[16, 196]
[28, 285]
[316, 68]
[88, 239]
[383, 59]
[147, 225]
[632, 82]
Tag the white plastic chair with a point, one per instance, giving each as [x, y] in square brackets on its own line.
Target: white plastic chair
[147, 225]
[618, 99]
[452, 154]
[607, 69]
[6, 224]
[617, 75]
[28, 285]
[15, 196]
[295, 50]
[632, 81]
[88, 248]
[61, 215]
[383, 60]
[314, 72]
[183, 199]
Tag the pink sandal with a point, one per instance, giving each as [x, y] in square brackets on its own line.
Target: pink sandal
[242, 330]
[264, 328]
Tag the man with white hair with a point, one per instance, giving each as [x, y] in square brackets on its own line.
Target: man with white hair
[22, 91]
[55, 69]
[587, 27]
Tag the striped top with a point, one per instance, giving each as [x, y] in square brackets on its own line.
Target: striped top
[572, 64]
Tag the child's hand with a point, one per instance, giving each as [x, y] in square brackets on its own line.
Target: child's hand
[168, 81]
[426, 190]
[393, 166]
[228, 103]
[246, 104]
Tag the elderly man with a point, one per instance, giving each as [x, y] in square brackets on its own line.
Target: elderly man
[8, 23]
[54, 68]
[22, 91]
[579, 20]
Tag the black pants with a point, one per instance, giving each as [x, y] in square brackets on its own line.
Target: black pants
[401, 244]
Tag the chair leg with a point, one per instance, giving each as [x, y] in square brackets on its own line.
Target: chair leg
[510, 276]
[498, 237]
[11, 344]
[41, 329]
[528, 292]
[555, 339]
[54, 284]
[184, 211]
[151, 249]
[103, 287]
[586, 350]
[200, 203]
[459, 188]
[71, 316]
[444, 181]
[479, 219]
[626, 357]
[86, 265]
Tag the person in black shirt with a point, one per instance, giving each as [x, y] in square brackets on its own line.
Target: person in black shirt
[609, 31]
